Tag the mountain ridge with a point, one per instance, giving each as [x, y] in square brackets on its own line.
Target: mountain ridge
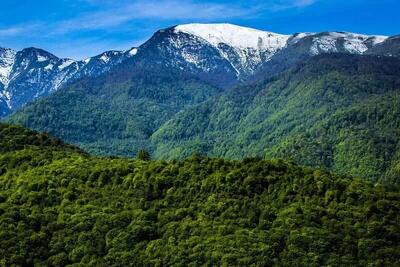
[33, 72]
[286, 116]
[311, 113]
[222, 54]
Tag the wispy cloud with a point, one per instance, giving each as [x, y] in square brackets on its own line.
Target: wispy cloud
[154, 10]
[290, 4]
[10, 31]
[16, 30]
[126, 11]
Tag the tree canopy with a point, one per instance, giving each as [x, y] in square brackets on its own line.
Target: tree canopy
[62, 207]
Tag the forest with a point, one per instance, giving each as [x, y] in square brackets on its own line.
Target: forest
[339, 112]
[60, 206]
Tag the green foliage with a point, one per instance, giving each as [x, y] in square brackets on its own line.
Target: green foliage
[114, 114]
[60, 207]
[339, 112]
[143, 154]
[14, 138]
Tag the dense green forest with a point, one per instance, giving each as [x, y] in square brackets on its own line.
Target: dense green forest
[62, 207]
[336, 111]
[340, 112]
[115, 114]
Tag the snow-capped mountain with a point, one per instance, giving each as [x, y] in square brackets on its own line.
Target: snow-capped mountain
[31, 73]
[221, 54]
[7, 57]
[301, 46]
[389, 47]
[343, 42]
[224, 54]
[244, 48]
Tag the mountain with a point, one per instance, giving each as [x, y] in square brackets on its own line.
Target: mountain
[390, 47]
[335, 111]
[226, 54]
[302, 46]
[154, 99]
[222, 55]
[32, 73]
[116, 113]
[62, 207]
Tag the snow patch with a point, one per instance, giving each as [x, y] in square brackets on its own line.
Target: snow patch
[49, 67]
[105, 58]
[132, 51]
[7, 59]
[352, 42]
[377, 39]
[298, 36]
[41, 58]
[65, 64]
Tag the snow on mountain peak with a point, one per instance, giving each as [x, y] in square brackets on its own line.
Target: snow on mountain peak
[235, 36]
[352, 42]
[7, 59]
[244, 48]
[105, 58]
[377, 39]
[133, 51]
[41, 58]
[65, 63]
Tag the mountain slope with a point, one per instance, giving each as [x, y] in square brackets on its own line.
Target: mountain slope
[220, 54]
[225, 54]
[124, 108]
[116, 113]
[33, 73]
[303, 46]
[244, 48]
[336, 111]
[390, 47]
[60, 207]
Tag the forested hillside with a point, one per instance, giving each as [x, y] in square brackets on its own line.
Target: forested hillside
[60, 206]
[116, 113]
[336, 111]
[340, 112]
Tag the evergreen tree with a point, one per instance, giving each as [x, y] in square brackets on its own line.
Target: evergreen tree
[143, 154]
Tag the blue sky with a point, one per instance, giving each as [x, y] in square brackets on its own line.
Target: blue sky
[82, 28]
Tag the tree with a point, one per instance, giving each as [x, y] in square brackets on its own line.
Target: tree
[143, 154]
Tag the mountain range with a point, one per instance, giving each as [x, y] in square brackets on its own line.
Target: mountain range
[208, 145]
[222, 54]
[32, 73]
[325, 99]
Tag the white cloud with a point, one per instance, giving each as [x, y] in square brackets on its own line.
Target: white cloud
[10, 31]
[152, 10]
[290, 4]
[16, 30]
[117, 13]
